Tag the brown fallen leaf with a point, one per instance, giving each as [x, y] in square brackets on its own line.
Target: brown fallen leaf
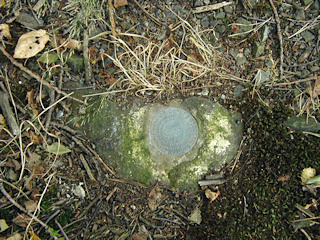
[316, 88]
[139, 236]
[31, 43]
[284, 178]
[15, 236]
[33, 137]
[31, 103]
[33, 236]
[154, 197]
[212, 195]
[31, 205]
[120, 3]
[5, 31]
[33, 161]
[13, 163]
[22, 220]
[71, 43]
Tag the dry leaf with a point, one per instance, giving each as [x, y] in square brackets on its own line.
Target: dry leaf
[57, 148]
[33, 236]
[316, 88]
[31, 205]
[284, 178]
[195, 216]
[3, 225]
[139, 236]
[5, 31]
[31, 43]
[14, 164]
[16, 236]
[72, 43]
[28, 183]
[22, 220]
[33, 137]
[307, 173]
[154, 197]
[212, 195]
[33, 161]
[120, 3]
[31, 103]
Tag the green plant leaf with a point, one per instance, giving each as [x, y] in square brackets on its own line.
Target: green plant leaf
[58, 149]
[314, 180]
[48, 58]
[3, 225]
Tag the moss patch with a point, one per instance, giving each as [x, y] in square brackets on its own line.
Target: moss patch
[254, 204]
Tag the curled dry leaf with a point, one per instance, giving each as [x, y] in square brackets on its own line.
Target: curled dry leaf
[212, 195]
[139, 236]
[307, 173]
[154, 197]
[14, 164]
[120, 3]
[22, 220]
[5, 31]
[15, 236]
[31, 43]
[72, 43]
[31, 205]
[316, 88]
[3, 225]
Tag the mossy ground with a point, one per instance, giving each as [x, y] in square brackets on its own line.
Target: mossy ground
[254, 203]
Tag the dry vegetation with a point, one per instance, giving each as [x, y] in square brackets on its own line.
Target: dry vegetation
[33, 144]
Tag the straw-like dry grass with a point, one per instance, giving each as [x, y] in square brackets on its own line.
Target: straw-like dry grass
[167, 67]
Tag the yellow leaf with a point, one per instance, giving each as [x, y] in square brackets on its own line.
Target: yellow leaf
[211, 195]
[16, 236]
[5, 31]
[2, 122]
[31, 43]
[120, 3]
[33, 236]
[3, 225]
[307, 173]
[58, 149]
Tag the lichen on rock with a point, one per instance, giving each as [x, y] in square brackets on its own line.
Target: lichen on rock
[136, 156]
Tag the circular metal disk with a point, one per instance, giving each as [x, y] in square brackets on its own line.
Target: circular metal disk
[173, 131]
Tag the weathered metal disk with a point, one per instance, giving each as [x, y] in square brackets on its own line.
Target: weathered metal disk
[173, 131]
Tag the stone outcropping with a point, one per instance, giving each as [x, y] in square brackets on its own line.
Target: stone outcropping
[176, 144]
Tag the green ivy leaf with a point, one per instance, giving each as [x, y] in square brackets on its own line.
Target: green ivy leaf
[48, 58]
[58, 149]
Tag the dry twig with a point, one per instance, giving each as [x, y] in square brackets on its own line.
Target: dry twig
[279, 36]
[211, 7]
[113, 23]
[35, 76]
[17, 205]
[8, 113]
[157, 21]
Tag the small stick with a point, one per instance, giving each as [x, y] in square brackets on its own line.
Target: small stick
[279, 36]
[86, 56]
[17, 205]
[211, 182]
[8, 113]
[61, 229]
[50, 111]
[86, 167]
[157, 21]
[111, 193]
[113, 23]
[35, 76]
[211, 7]
[90, 151]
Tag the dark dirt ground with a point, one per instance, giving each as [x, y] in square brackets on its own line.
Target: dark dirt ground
[263, 189]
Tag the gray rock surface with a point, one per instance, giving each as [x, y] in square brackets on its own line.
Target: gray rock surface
[197, 136]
